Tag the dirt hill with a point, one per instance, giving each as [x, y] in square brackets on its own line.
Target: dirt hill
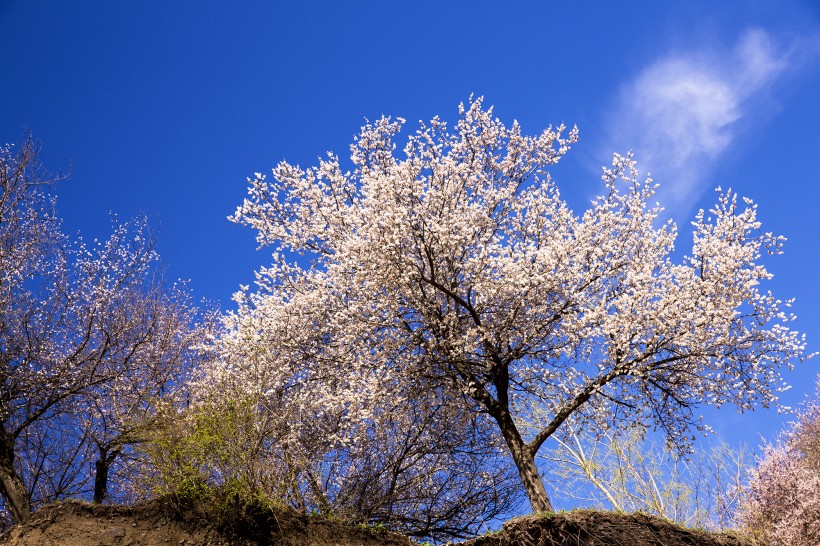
[597, 528]
[161, 522]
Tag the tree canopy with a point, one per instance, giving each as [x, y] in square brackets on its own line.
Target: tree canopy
[457, 263]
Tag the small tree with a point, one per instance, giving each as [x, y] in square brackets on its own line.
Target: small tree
[458, 263]
[782, 501]
[630, 472]
[75, 321]
[119, 413]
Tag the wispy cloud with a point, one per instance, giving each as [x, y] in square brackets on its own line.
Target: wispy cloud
[685, 110]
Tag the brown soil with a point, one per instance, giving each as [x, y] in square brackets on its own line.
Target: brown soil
[161, 523]
[596, 528]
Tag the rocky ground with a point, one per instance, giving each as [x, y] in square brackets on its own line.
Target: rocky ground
[162, 522]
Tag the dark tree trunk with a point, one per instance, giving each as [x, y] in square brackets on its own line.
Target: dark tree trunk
[524, 459]
[533, 484]
[101, 469]
[12, 487]
[100, 480]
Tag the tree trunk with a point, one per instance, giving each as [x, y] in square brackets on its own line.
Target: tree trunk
[12, 486]
[101, 469]
[525, 462]
[100, 479]
[533, 484]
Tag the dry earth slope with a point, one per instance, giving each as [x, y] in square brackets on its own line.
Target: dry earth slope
[161, 522]
[599, 528]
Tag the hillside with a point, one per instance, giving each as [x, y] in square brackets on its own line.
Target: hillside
[599, 528]
[161, 522]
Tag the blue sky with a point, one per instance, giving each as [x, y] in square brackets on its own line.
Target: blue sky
[165, 107]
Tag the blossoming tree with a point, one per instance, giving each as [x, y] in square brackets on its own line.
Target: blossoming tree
[458, 263]
[78, 323]
[162, 330]
[782, 501]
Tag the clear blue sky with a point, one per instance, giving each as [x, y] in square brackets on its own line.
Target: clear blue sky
[165, 108]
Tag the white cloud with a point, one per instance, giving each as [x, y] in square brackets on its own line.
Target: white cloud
[681, 113]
